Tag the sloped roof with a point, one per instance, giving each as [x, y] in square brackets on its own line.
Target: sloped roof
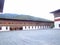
[56, 11]
[21, 17]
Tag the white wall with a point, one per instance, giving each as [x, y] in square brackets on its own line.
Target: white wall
[34, 27]
[3, 28]
[56, 24]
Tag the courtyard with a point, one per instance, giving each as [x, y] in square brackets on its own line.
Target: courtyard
[30, 37]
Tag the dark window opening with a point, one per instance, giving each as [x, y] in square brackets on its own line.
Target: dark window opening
[59, 25]
[11, 29]
[6, 27]
[20, 28]
[16, 28]
[25, 27]
[0, 28]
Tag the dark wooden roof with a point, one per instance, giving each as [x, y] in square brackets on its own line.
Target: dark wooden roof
[56, 11]
[1, 5]
[22, 17]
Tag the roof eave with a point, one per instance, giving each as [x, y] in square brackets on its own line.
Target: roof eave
[56, 11]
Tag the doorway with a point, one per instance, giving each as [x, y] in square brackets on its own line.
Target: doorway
[20, 28]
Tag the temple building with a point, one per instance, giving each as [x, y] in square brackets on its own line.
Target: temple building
[56, 19]
[23, 22]
[9, 22]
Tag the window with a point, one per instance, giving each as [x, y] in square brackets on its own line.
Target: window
[20, 28]
[6, 27]
[59, 25]
[0, 28]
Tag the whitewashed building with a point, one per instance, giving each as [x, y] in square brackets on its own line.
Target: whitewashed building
[56, 19]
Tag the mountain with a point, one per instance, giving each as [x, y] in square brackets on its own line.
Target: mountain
[21, 17]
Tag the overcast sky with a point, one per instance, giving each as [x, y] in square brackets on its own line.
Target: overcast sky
[38, 8]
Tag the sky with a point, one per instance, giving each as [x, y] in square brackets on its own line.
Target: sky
[37, 8]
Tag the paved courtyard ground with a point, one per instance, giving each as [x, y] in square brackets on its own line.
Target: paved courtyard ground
[32, 37]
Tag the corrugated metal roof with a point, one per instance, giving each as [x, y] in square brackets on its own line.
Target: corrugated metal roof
[21, 17]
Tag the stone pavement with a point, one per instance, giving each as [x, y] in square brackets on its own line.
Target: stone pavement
[32, 37]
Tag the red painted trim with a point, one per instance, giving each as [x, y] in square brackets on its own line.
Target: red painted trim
[57, 19]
